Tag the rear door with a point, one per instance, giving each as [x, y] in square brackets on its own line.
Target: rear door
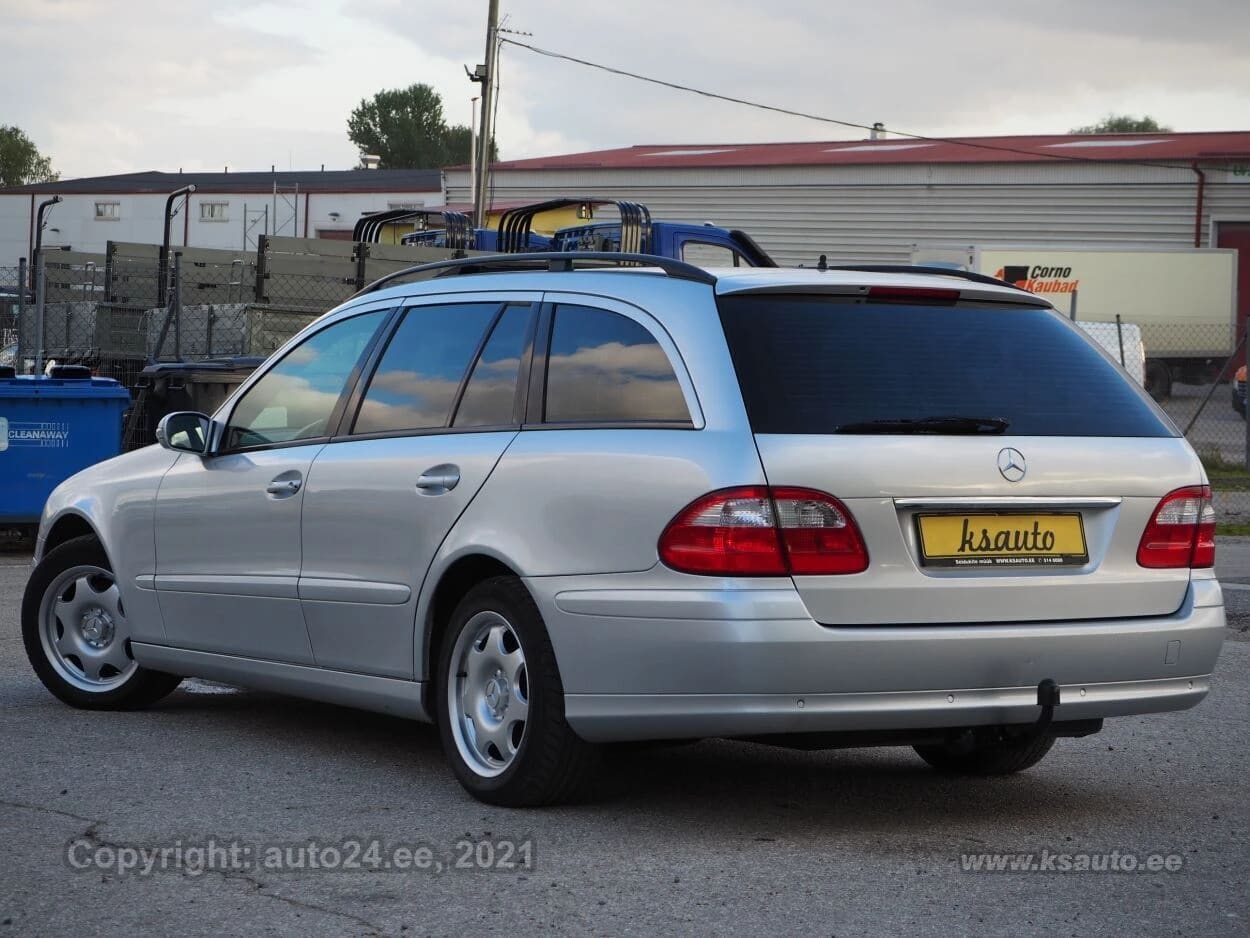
[418, 440]
[1000, 467]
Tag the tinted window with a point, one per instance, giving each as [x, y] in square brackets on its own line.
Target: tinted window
[421, 370]
[296, 397]
[604, 367]
[812, 365]
[491, 392]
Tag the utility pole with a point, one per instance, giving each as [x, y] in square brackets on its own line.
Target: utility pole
[487, 78]
[473, 152]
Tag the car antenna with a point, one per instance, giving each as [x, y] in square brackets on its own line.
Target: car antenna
[823, 263]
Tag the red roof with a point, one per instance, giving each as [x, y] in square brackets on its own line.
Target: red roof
[1176, 147]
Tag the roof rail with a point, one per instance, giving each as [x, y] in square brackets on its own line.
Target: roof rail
[920, 269]
[547, 260]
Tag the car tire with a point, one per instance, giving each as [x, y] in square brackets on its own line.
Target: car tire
[76, 635]
[998, 758]
[500, 703]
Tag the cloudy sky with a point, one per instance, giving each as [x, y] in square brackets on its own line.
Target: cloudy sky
[105, 86]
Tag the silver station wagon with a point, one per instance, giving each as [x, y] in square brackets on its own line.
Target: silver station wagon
[553, 503]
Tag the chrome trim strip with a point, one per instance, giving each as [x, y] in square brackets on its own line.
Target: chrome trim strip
[318, 589]
[720, 605]
[1008, 501]
[274, 587]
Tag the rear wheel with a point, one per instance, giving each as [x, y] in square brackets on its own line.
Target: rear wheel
[1002, 757]
[77, 636]
[500, 703]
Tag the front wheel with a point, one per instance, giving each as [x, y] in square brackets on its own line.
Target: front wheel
[77, 636]
[500, 703]
[1001, 757]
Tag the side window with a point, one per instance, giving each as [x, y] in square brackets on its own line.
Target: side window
[420, 372]
[604, 367]
[295, 399]
[702, 254]
[491, 392]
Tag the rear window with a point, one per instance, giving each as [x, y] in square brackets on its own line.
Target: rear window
[817, 365]
[605, 368]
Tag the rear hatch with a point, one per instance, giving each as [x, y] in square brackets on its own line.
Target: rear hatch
[1000, 466]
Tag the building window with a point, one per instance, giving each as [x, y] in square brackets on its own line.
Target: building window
[405, 206]
[214, 211]
[108, 211]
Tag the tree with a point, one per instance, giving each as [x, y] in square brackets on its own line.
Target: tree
[1123, 124]
[20, 160]
[406, 129]
[458, 138]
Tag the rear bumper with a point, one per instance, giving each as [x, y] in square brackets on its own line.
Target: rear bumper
[619, 717]
[677, 663]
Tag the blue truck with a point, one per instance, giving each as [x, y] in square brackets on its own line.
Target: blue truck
[633, 232]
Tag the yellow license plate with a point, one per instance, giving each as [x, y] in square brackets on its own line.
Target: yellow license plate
[992, 540]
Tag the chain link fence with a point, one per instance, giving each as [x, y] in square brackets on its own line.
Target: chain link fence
[1197, 374]
[179, 335]
[119, 321]
[14, 294]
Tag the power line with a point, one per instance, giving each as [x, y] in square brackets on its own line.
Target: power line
[1069, 157]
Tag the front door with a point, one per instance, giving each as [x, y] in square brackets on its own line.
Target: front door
[228, 523]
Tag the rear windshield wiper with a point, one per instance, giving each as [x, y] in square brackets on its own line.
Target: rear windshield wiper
[928, 425]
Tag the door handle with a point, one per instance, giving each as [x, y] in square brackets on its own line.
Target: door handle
[283, 487]
[439, 479]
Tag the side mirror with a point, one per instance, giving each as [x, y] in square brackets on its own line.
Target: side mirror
[184, 432]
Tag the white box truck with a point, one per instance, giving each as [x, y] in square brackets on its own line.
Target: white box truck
[1184, 299]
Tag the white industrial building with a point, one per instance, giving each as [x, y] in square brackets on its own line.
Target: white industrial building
[227, 210]
[873, 200]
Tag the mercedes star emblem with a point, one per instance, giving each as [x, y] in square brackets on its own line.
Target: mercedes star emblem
[1011, 464]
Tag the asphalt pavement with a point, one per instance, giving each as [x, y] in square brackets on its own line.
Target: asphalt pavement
[699, 839]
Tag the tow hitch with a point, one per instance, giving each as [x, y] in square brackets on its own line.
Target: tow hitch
[1047, 699]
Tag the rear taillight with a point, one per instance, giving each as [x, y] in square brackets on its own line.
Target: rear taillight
[1181, 532]
[761, 531]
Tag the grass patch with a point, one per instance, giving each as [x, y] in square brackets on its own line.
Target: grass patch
[1229, 482]
[1224, 473]
[1232, 530]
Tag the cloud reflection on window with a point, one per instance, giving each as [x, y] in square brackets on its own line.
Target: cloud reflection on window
[605, 367]
[420, 372]
[296, 398]
[406, 400]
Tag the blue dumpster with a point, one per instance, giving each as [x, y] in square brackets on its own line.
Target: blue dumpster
[51, 428]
